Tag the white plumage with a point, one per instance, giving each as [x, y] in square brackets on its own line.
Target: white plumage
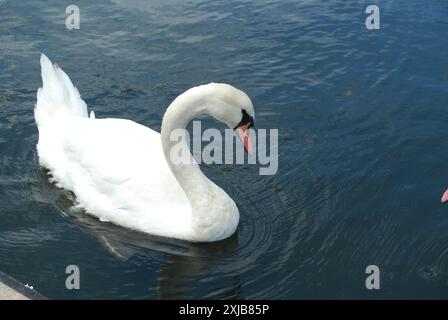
[120, 171]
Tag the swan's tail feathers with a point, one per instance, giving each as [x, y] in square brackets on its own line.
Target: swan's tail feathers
[57, 98]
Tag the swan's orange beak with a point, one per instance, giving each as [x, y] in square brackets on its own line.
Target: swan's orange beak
[445, 197]
[243, 134]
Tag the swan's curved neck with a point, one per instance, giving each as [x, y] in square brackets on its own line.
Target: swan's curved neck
[214, 214]
[181, 111]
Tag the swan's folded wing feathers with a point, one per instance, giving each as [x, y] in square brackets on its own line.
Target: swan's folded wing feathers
[118, 172]
[57, 97]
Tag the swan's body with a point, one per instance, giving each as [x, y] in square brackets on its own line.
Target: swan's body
[120, 171]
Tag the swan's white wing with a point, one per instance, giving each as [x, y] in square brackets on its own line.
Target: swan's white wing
[118, 172]
[57, 98]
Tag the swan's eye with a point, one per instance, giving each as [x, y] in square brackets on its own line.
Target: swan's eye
[245, 119]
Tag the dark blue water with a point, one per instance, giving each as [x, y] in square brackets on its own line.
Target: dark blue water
[362, 119]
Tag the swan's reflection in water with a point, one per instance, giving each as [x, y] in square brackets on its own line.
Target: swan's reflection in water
[185, 262]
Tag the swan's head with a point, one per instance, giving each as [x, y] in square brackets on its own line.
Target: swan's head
[223, 102]
[234, 108]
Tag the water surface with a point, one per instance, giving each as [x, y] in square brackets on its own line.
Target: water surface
[362, 158]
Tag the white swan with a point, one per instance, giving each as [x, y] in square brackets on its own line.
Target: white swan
[120, 171]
